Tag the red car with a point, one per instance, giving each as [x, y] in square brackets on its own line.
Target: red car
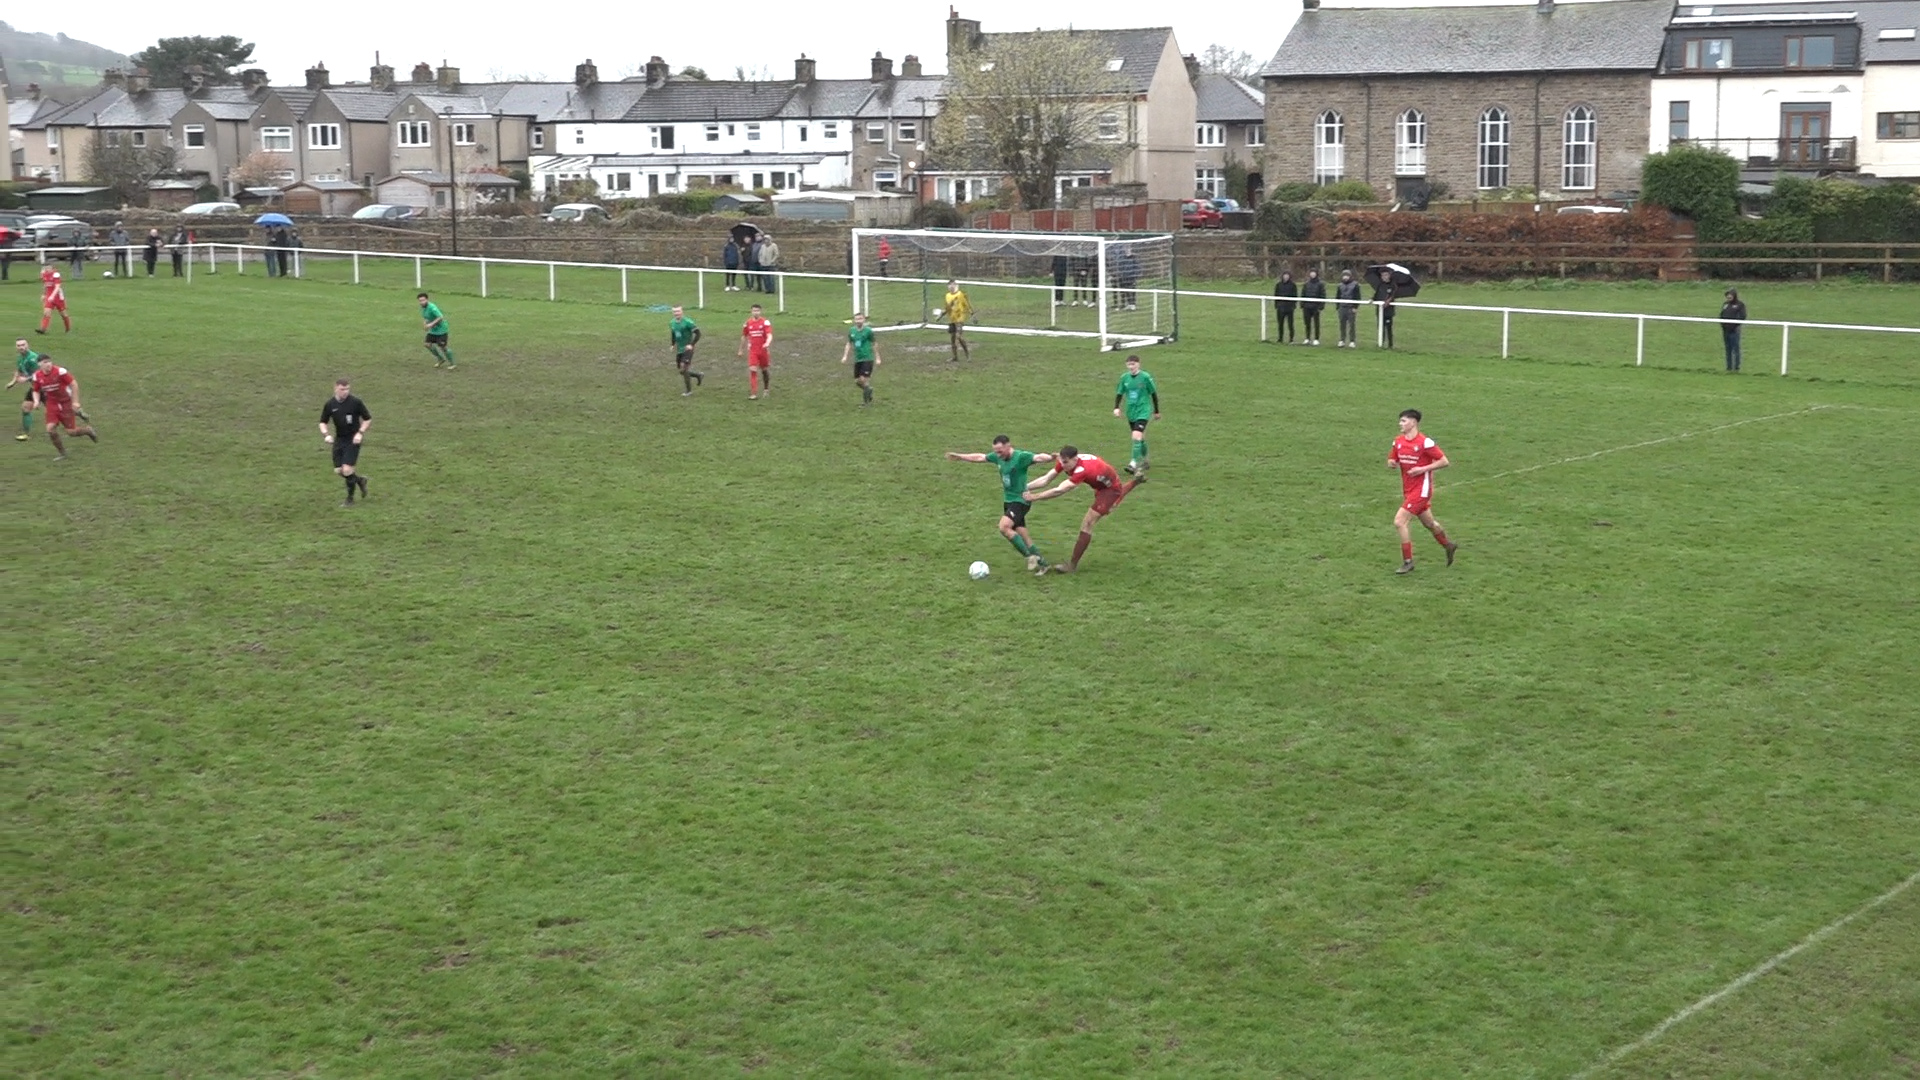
[1198, 214]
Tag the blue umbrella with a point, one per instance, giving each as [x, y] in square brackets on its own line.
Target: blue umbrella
[273, 219]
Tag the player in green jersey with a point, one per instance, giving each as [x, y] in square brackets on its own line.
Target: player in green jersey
[864, 352]
[436, 333]
[1139, 400]
[23, 369]
[1013, 465]
[685, 335]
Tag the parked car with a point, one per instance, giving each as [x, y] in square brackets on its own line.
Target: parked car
[586, 213]
[212, 208]
[385, 212]
[13, 229]
[53, 230]
[1199, 214]
[1226, 206]
[1591, 208]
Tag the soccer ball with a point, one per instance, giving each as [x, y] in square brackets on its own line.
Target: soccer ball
[109, 273]
[977, 571]
[939, 314]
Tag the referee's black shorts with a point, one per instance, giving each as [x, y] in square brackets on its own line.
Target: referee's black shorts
[345, 451]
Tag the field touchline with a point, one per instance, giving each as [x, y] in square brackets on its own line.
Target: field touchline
[1640, 445]
[1810, 940]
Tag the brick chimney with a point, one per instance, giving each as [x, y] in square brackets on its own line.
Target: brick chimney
[882, 68]
[910, 67]
[803, 69]
[113, 76]
[33, 91]
[253, 79]
[140, 81]
[448, 77]
[193, 79]
[317, 76]
[1544, 7]
[422, 72]
[585, 75]
[657, 72]
[963, 35]
[380, 76]
[1310, 5]
[1193, 67]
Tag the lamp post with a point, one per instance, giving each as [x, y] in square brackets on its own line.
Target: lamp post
[453, 182]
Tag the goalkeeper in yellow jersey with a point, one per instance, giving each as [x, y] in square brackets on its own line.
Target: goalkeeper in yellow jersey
[957, 311]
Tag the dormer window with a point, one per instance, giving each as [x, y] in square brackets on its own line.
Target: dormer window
[1115, 63]
[1708, 53]
[1811, 52]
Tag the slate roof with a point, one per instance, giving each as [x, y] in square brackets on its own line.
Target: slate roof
[363, 104]
[150, 109]
[1874, 16]
[299, 99]
[434, 178]
[697, 101]
[829, 98]
[1139, 50]
[1223, 99]
[1615, 35]
[461, 104]
[547, 103]
[901, 97]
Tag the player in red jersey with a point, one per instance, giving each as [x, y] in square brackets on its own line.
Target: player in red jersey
[55, 391]
[1417, 456]
[53, 297]
[1107, 493]
[756, 344]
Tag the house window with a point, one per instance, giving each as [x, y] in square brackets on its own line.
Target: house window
[803, 132]
[414, 133]
[579, 136]
[112, 138]
[1109, 127]
[620, 181]
[539, 138]
[1707, 53]
[323, 136]
[1496, 147]
[830, 130]
[1209, 182]
[1810, 51]
[1679, 120]
[1209, 135]
[753, 132]
[194, 135]
[1898, 125]
[1577, 171]
[1256, 134]
[278, 139]
[463, 134]
[713, 132]
[1410, 144]
[909, 131]
[1329, 148]
[139, 138]
[53, 138]
[729, 130]
[660, 138]
[885, 178]
[876, 132]
[779, 181]
[759, 180]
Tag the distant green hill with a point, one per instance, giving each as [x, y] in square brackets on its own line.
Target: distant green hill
[52, 59]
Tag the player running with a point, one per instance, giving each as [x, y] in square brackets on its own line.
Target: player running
[1107, 493]
[24, 367]
[684, 336]
[864, 352]
[1013, 465]
[1417, 456]
[957, 310]
[756, 344]
[350, 420]
[1141, 400]
[436, 334]
[53, 297]
[55, 390]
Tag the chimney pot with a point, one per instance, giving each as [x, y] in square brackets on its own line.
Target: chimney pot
[448, 77]
[585, 75]
[253, 79]
[910, 67]
[1310, 5]
[1193, 67]
[317, 77]
[380, 76]
[803, 69]
[1544, 7]
[422, 72]
[882, 68]
[140, 81]
[33, 91]
[113, 76]
[657, 72]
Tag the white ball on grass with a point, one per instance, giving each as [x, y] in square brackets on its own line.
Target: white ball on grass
[977, 571]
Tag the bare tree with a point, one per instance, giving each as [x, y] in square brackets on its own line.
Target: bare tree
[1220, 60]
[257, 169]
[756, 73]
[1026, 105]
[126, 168]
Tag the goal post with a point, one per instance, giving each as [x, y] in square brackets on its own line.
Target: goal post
[1118, 291]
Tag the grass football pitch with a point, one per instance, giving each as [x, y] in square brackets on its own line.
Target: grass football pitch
[621, 733]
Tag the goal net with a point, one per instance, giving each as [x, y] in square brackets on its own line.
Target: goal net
[1119, 291]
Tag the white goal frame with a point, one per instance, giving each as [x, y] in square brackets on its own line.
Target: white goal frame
[1109, 339]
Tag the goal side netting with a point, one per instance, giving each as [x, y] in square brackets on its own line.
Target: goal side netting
[1119, 291]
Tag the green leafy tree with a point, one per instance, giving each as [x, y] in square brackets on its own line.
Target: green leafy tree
[697, 74]
[1026, 105]
[127, 168]
[1703, 184]
[168, 60]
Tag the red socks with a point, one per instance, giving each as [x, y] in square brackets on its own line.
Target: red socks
[1080, 548]
[1406, 552]
[753, 380]
[1440, 538]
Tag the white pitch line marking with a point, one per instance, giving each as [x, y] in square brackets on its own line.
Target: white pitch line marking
[1805, 943]
[1642, 445]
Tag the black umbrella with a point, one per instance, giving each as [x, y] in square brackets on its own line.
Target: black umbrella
[743, 232]
[1392, 275]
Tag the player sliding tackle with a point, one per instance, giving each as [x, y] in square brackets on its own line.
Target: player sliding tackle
[1107, 493]
[1013, 465]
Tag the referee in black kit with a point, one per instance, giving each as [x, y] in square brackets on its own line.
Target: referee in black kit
[350, 420]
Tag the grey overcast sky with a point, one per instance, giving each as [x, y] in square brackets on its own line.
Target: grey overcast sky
[490, 38]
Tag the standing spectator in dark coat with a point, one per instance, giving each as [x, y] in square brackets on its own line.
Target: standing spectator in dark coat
[750, 262]
[730, 258]
[122, 245]
[1386, 316]
[152, 251]
[177, 247]
[1732, 314]
[1059, 279]
[1349, 311]
[273, 252]
[1127, 276]
[1285, 296]
[284, 238]
[1313, 300]
[81, 240]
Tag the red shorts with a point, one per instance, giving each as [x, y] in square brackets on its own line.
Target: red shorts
[759, 359]
[60, 414]
[1105, 499]
[1417, 504]
[54, 305]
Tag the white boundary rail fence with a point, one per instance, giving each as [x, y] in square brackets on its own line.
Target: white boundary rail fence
[213, 255]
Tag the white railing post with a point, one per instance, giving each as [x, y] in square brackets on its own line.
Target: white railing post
[416, 272]
[780, 288]
[1379, 325]
[623, 284]
[861, 290]
[296, 264]
[1784, 330]
[1053, 307]
[1640, 342]
[700, 289]
[1262, 305]
[239, 259]
[356, 268]
[213, 258]
[550, 286]
[483, 279]
[1156, 311]
[1506, 331]
[189, 261]
[1100, 290]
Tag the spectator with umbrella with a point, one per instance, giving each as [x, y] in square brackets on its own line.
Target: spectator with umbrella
[1391, 282]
